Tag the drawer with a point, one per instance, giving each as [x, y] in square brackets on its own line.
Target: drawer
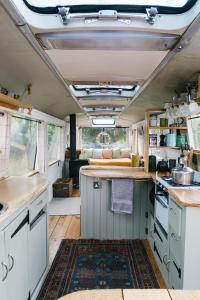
[175, 214]
[175, 272]
[38, 204]
[161, 242]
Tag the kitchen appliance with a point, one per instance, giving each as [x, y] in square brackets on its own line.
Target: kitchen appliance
[166, 182]
[182, 175]
[161, 207]
[162, 166]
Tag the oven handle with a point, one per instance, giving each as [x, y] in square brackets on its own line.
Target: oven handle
[160, 201]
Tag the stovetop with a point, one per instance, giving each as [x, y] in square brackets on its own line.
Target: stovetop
[167, 182]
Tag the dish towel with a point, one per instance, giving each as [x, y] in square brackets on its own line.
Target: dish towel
[122, 196]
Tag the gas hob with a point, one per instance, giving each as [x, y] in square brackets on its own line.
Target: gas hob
[167, 182]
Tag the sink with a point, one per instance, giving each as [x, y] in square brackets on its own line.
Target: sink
[3, 207]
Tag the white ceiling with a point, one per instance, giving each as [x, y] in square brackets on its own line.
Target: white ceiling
[96, 65]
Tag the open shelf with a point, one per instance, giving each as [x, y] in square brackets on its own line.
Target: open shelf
[11, 103]
[164, 147]
[169, 127]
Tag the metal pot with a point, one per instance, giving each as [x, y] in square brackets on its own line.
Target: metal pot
[182, 175]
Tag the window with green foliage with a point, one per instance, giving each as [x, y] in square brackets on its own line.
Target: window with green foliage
[98, 137]
[23, 146]
[195, 127]
[53, 142]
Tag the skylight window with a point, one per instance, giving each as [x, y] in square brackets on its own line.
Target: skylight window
[51, 3]
[103, 122]
[164, 6]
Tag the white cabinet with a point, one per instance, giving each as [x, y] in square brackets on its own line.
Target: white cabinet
[38, 249]
[3, 268]
[16, 241]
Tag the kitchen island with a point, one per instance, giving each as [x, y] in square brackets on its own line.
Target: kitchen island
[97, 219]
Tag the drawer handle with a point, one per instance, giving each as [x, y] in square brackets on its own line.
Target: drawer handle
[173, 235]
[40, 202]
[178, 269]
[151, 233]
[172, 210]
[6, 268]
[12, 262]
[166, 262]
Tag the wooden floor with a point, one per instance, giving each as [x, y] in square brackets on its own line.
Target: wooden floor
[62, 227]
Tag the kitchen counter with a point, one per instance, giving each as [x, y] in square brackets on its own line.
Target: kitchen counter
[115, 172]
[130, 294]
[186, 197]
[18, 191]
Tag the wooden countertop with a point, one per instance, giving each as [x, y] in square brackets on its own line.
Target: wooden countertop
[131, 294]
[186, 197]
[115, 172]
[18, 191]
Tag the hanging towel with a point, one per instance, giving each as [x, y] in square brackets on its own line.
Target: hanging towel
[122, 196]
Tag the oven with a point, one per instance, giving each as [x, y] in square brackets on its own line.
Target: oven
[161, 208]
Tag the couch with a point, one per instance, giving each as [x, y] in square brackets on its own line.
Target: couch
[109, 157]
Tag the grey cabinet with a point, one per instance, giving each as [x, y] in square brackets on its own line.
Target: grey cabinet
[3, 268]
[99, 222]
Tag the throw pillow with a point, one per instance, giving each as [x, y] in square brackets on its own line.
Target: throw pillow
[97, 153]
[125, 153]
[116, 153]
[87, 153]
[107, 153]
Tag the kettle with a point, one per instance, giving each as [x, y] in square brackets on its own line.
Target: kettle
[162, 166]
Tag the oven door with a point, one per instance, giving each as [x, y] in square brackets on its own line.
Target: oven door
[161, 211]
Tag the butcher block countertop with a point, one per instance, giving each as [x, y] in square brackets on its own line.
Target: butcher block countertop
[115, 172]
[134, 294]
[186, 197]
[18, 191]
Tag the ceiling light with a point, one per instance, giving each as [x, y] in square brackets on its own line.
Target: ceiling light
[103, 122]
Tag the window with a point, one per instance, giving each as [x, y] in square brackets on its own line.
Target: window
[98, 137]
[23, 146]
[51, 3]
[195, 129]
[53, 142]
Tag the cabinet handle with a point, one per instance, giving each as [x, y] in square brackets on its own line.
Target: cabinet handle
[12, 262]
[40, 202]
[165, 256]
[6, 268]
[172, 210]
[173, 235]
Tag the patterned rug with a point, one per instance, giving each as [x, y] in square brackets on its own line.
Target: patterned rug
[93, 264]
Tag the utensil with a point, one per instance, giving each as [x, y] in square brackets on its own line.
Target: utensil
[172, 164]
[182, 175]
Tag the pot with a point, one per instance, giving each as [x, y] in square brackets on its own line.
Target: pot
[182, 175]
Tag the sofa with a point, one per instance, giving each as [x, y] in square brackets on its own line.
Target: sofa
[109, 157]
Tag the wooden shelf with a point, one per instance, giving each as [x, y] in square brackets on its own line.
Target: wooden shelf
[164, 147]
[15, 104]
[169, 127]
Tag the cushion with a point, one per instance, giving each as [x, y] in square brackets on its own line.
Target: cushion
[125, 153]
[116, 153]
[97, 153]
[107, 153]
[87, 153]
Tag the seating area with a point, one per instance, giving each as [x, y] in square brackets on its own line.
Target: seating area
[110, 157]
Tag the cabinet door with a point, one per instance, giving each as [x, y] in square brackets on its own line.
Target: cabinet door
[16, 240]
[38, 251]
[3, 268]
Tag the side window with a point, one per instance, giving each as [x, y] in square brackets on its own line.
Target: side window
[195, 132]
[53, 142]
[23, 146]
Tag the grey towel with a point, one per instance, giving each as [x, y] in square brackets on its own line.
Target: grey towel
[122, 196]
